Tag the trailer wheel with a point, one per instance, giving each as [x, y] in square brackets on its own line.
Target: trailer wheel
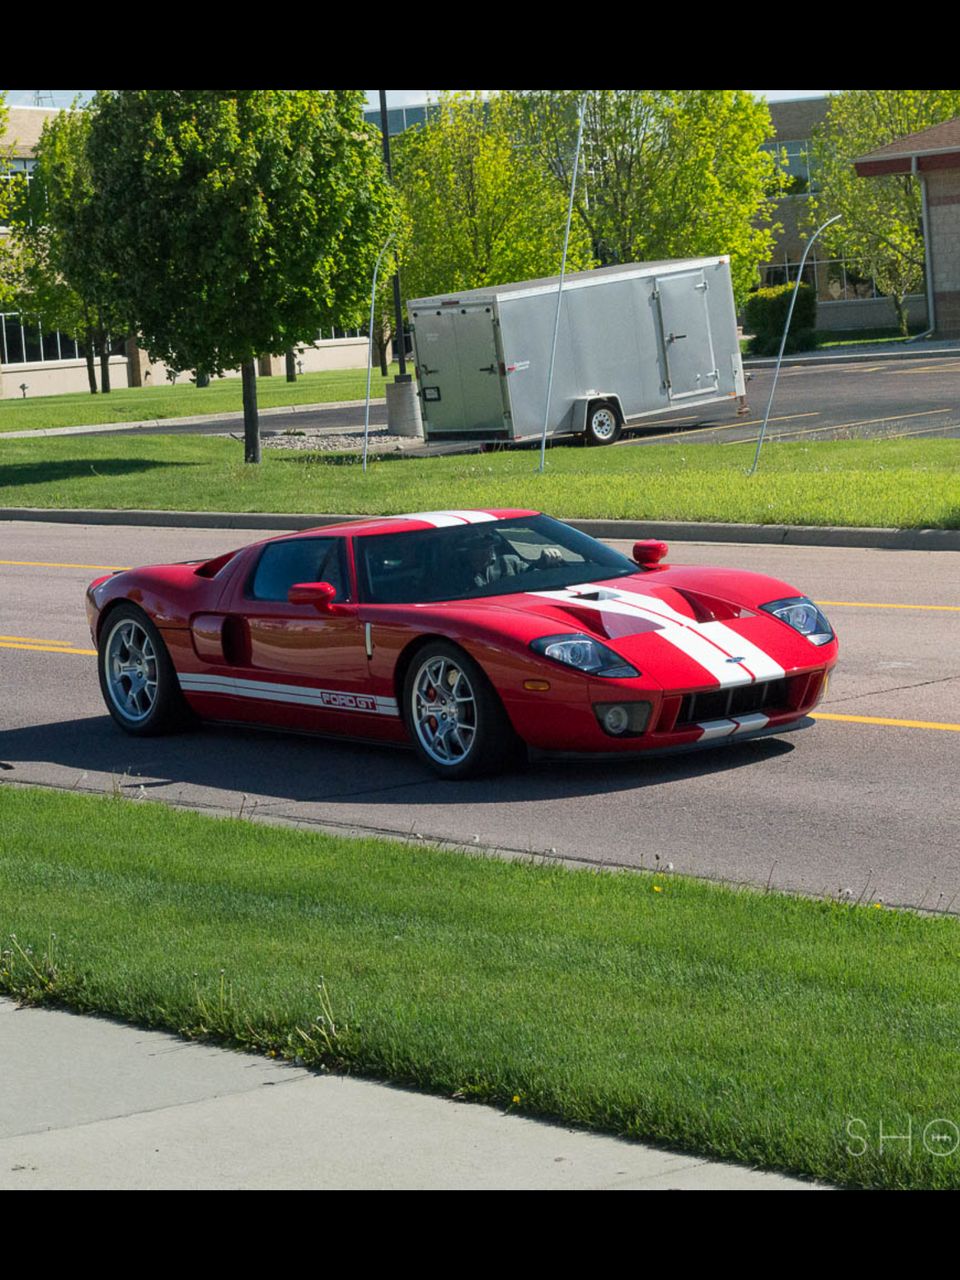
[603, 423]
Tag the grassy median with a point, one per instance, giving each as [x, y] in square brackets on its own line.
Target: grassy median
[182, 400]
[888, 483]
[760, 1027]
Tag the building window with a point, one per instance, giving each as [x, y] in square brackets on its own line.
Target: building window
[25, 341]
[798, 164]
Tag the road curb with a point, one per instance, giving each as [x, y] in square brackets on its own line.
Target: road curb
[678, 530]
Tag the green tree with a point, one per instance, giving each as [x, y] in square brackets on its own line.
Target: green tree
[481, 210]
[238, 222]
[8, 265]
[881, 230]
[63, 279]
[675, 173]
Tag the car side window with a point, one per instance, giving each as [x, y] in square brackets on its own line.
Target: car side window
[282, 564]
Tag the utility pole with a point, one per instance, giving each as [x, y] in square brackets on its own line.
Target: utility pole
[403, 404]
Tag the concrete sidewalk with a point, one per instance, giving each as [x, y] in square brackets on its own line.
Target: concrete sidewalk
[90, 1104]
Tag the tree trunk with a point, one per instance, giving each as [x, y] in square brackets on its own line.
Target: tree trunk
[104, 343]
[382, 340]
[203, 380]
[91, 368]
[901, 310]
[251, 422]
[291, 365]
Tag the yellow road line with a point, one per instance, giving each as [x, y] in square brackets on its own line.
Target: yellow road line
[36, 640]
[903, 724]
[57, 564]
[863, 422]
[731, 426]
[46, 648]
[920, 431]
[867, 604]
[5, 643]
[928, 368]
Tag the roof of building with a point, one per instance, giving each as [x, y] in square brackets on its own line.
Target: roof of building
[935, 148]
[24, 126]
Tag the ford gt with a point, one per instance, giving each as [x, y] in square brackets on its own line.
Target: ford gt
[470, 635]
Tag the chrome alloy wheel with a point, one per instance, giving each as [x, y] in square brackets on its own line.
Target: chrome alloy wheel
[130, 668]
[444, 710]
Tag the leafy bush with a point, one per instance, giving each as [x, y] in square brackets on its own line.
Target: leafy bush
[766, 313]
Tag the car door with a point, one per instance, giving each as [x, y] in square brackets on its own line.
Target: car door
[294, 665]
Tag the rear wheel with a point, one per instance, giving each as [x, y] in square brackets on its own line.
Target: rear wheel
[458, 725]
[603, 423]
[137, 678]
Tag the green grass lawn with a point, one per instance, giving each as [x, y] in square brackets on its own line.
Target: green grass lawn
[224, 395]
[897, 483]
[760, 1027]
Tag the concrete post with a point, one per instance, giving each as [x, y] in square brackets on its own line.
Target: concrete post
[403, 410]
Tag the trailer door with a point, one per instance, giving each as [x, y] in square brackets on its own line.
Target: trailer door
[687, 342]
[460, 381]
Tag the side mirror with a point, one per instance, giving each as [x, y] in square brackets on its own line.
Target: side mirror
[649, 551]
[320, 594]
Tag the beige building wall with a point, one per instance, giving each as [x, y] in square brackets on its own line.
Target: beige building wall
[56, 378]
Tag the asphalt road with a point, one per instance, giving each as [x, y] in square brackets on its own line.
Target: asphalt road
[852, 805]
[845, 401]
[892, 396]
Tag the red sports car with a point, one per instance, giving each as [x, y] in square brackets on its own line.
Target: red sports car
[470, 634]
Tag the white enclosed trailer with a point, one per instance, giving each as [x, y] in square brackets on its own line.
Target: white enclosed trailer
[633, 340]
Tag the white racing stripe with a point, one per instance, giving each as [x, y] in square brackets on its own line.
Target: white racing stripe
[717, 729]
[443, 519]
[729, 728]
[693, 638]
[266, 691]
[754, 659]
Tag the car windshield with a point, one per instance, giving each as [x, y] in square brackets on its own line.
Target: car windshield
[503, 557]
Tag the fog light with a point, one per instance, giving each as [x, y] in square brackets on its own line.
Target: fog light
[622, 719]
[615, 720]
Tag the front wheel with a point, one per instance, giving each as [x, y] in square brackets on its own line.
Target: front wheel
[137, 678]
[603, 423]
[456, 721]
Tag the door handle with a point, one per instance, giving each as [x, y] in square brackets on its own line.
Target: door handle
[490, 368]
[675, 337]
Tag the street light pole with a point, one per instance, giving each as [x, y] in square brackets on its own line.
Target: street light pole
[402, 376]
[783, 340]
[403, 403]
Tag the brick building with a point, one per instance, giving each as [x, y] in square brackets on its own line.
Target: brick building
[934, 156]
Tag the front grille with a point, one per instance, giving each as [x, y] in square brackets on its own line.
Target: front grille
[767, 696]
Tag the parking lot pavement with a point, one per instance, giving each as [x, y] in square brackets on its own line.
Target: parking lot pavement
[91, 1104]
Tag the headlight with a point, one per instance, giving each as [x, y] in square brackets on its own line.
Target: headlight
[804, 616]
[585, 654]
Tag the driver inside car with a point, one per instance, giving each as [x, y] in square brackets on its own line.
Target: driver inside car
[488, 559]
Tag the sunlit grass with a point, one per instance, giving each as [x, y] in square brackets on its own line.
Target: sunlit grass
[761, 1027]
[889, 483]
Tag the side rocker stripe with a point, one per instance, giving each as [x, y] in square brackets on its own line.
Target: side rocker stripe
[299, 695]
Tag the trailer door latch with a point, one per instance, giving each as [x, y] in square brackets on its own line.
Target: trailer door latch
[490, 368]
[675, 337]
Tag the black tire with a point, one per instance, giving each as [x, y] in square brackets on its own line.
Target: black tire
[470, 735]
[137, 678]
[603, 423]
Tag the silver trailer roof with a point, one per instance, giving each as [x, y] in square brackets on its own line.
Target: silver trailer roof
[572, 280]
